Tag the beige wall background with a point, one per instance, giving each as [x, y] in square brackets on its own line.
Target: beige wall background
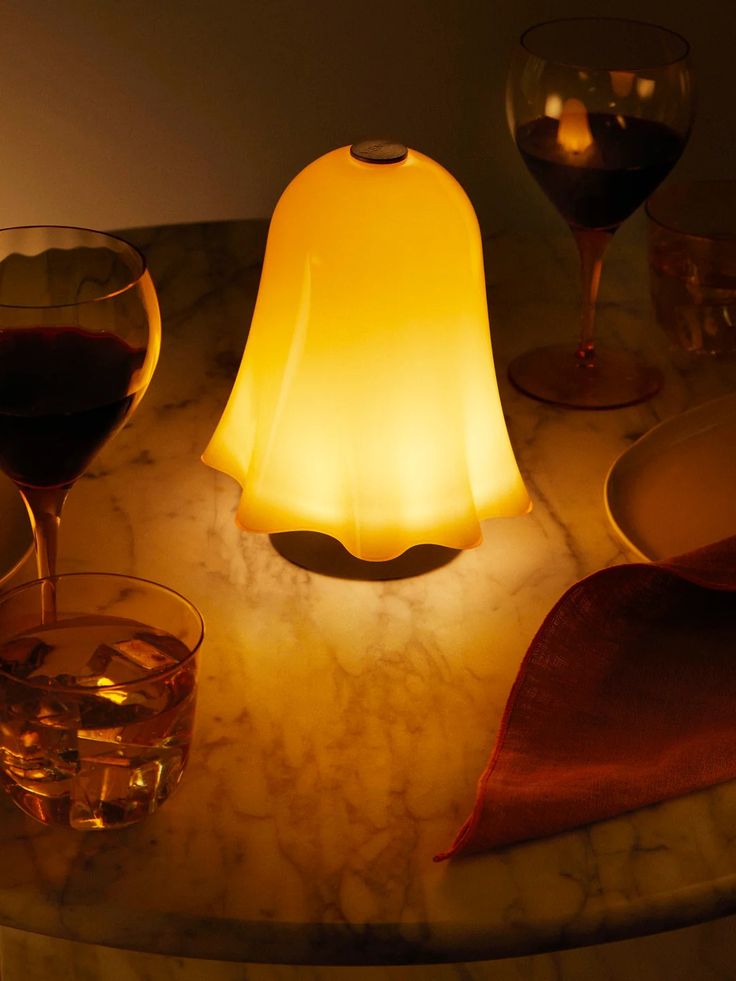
[116, 113]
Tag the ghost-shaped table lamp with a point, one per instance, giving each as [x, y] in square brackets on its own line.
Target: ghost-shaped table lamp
[366, 406]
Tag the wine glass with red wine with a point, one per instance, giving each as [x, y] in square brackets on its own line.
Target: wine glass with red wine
[600, 109]
[80, 333]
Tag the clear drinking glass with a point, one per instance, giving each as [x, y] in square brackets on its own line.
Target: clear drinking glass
[692, 267]
[600, 109]
[79, 339]
[97, 706]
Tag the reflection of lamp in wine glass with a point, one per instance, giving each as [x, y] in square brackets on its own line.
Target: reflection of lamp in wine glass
[79, 340]
[600, 109]
[366, 405]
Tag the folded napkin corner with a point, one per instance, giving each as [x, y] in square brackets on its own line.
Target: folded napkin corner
[624, 698]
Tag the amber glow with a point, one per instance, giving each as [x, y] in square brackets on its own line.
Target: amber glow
[366, 404]
[553, 106]
[573, 133]
[622, 83]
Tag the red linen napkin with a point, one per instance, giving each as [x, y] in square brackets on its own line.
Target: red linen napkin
[626, 696]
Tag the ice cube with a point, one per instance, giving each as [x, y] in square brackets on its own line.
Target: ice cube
[104, 712]
[57, 714]
[152, 651]
[101, 657]
[169, 645]
[22, 656]
[114, 789]
[36, 753]
[100, 790]
[105, 667]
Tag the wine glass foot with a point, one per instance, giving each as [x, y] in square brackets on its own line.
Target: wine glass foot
[609, 380]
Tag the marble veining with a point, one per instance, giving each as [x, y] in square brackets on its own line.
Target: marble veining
[342, 725]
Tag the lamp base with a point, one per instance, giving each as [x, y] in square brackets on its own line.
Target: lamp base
[320, 553]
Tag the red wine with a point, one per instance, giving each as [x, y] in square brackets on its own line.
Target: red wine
[63, 392]
[604, 184]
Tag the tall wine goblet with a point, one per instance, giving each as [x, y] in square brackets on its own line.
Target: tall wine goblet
[79, 339]
[600, 109]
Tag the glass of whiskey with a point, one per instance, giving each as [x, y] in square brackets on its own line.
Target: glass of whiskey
[96, 703]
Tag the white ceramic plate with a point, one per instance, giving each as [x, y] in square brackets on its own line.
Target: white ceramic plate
[16, 537]
[675, 489]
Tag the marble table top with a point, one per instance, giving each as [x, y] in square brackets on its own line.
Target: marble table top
[342, 724]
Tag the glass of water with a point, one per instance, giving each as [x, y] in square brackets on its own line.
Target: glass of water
[692, 266]
[97, 705]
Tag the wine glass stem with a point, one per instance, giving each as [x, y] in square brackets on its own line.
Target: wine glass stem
[44, 506]
[592, 244]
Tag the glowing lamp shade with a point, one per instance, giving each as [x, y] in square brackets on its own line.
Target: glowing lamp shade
[366, 404]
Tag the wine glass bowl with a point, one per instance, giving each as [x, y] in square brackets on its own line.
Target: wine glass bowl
[600, 110]
[79, 340]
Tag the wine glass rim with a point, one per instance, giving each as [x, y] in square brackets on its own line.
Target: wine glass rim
[523, 40]
[131, 284]
[144, 678]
